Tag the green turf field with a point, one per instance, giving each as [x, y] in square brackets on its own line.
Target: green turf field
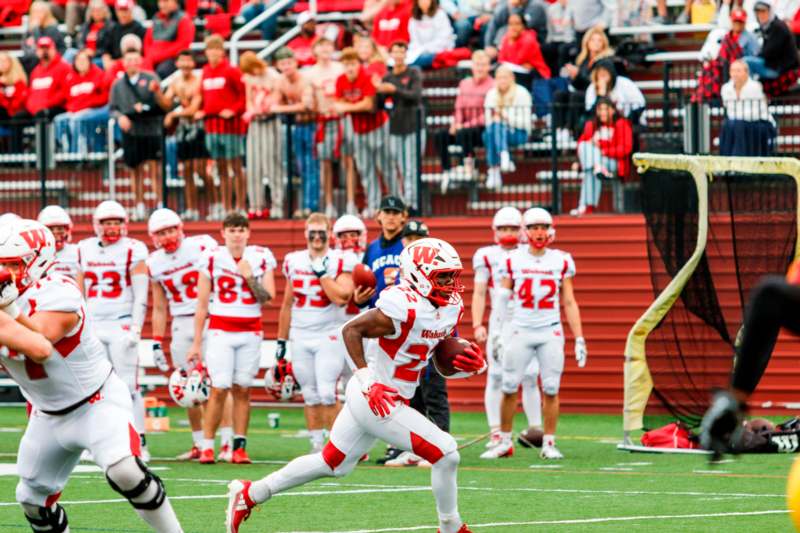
[596, 488]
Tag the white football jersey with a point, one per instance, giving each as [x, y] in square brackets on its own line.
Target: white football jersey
[485, 263]
[419, 325]
[233, 306]
[178, 272]
[311, 308]
[66, 260]
[537, 285]
[107, 273]
[78, 366]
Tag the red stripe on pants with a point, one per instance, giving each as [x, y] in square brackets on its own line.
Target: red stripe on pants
[427, 450]
[332, 455]
[136, 444]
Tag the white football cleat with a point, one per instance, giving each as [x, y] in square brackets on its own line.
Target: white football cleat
[225, 454]
[550, 452]
[505, 448]
[404, 459]
[494, 440]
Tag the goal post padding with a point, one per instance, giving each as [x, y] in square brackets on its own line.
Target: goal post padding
[747, 210]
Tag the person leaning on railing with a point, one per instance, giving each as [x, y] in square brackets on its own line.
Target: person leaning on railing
[508, 123]
[264, 136]
[604, 151]
[748, 128]
[82, 129]
[469, 119]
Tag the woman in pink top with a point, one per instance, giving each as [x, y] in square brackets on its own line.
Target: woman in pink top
[467, 127]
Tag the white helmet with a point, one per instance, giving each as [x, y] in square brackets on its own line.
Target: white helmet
[32, 245]
[422, 260]
[54, 215]
[164, 218]
[189, 389]
[347, 223]
[279, 381]
[106, 211]
[539, 216]
[8, 218]
[506, 217]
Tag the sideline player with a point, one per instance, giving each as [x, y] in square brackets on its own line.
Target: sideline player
[319, 282]
[78, 402]
[174, 271]
[113, 275]
[350, 235]
[240, 279]
[60, 224]
[507, 227]
[538, 277]
[408, 321]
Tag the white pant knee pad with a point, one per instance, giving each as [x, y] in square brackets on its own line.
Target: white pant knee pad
[509, 387]
[327, 395]
[310, 396]
[494, 381]
[449, 460]
[551, 385]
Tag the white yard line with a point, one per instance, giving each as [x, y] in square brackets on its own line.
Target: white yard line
[648, 518]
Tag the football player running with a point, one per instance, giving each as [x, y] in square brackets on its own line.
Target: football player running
[174, 274]
[78, 401]
[236, 281]
[113, 275]
[507, 227]
[538, 278]
[60, 224]
[321, 282]
[409, 320]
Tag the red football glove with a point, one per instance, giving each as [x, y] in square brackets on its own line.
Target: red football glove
[381, 398]
[472, 360]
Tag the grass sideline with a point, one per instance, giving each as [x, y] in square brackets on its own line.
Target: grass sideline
[596, 488]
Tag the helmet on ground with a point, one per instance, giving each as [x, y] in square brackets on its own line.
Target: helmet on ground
[422, 264]
[55, 216]
[280, 382]
[27, 248]
[162, 219]
[536, 216]
[346, 224]
[110, 210]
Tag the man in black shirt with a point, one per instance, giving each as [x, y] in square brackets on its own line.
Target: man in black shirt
[108, 41]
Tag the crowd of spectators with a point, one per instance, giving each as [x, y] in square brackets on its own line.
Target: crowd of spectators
[355, 94]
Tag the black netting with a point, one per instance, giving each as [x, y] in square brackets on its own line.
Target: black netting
[752, 232]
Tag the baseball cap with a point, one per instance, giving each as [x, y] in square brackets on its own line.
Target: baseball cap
[763, 4]
[45, 42]
[392, 203]
[738, 15]
[417, 228]
[284, 52]
[305, 16]
[125, 4]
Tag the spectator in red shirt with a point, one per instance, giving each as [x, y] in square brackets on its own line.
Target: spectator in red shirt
[99, 16]
[47, 95]
[223, 106]
[371, 58]
[366, 135]
[302, 44]
[13, 86]
[391, 24]
[604, 151]
[171, 32]
[520, 47]
[82, 128]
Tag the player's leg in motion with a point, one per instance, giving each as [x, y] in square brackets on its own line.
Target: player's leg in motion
[354, 432]
[550, 354]
[304, 355]
[773, 305]
[531, 397]
[517, 355]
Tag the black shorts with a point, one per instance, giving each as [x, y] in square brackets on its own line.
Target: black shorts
[136, 149]
[191, 141]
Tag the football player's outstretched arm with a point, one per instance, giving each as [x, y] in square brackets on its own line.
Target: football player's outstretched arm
[369, 325]
[478, 308]
[17, 337]
[200, 315]
[338, 290]
[571, 310]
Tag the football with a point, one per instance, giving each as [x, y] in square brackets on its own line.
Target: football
[531, 437]
[363, 276]
[445, 352]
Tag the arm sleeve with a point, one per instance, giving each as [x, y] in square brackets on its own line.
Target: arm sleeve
[64, 298]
